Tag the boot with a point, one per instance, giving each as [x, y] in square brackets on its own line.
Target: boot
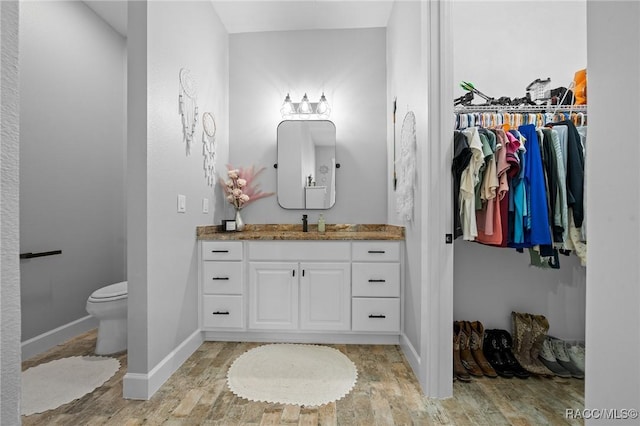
[521, 333]
[524, 338]
[539, 328]
[459, 371]
[475, 344]
[548, 358]
[493, 353]
[465, 350]
[560, 351]
[506, 345]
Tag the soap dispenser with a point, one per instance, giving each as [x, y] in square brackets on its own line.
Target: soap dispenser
[305, 224]
[321, 225]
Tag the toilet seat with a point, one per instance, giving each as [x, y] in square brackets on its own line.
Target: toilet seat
[110, 293]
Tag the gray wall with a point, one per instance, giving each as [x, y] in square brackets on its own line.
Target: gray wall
[350, 67]
[10, 378]
[406, 82]
[72, 179]
[162, 267]
[613, 294]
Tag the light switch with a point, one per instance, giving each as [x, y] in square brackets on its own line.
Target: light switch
[205, 205]
[182, 203]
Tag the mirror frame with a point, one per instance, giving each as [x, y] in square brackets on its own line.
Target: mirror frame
[279, 166]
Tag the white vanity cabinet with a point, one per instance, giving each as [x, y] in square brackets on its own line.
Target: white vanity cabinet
[222, 301]
[309, 292]
[316, 291]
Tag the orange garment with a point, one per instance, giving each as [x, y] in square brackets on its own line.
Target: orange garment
[580, 87]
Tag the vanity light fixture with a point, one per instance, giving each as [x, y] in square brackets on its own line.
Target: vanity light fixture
[305, 109]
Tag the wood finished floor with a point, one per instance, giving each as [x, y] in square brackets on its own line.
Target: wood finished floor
[386, 393]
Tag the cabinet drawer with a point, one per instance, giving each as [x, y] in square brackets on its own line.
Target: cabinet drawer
[222, 277]
[376, 314]
[222, 250]
[222, 312]
[375, 251]
[299, 251]
[375, 279]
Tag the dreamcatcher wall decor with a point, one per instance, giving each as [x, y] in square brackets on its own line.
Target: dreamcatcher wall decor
[187, 101]
[209, 147]
[406, 167]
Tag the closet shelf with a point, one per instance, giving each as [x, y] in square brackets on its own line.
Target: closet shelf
[519, 108]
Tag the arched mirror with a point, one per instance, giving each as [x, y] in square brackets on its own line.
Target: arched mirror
[306, 164]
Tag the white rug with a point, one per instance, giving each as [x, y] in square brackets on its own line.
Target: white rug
[48, 386]
[306, 375]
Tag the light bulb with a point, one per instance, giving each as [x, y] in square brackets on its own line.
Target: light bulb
[323, 107]
[305, 106]
[287, 107]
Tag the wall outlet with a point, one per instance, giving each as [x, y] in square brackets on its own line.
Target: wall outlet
[182, 203]
[205, 205]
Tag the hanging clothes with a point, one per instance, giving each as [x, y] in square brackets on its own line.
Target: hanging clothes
[461, 157]
[519, 182]
[536, 230]
[468, 182]
[575, 172]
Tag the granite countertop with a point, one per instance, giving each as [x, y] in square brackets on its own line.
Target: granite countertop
[294, 232]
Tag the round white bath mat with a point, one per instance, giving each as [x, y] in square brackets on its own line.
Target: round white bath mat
[50, 385]
[306, 375]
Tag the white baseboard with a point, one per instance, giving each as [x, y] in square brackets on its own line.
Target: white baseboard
[410, 353]
[297, 337]
[143, 386]
[45, 341]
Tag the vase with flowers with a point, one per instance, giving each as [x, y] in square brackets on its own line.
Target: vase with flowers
[241, 189]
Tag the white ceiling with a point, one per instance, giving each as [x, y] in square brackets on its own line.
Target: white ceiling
[268, 15]
[112, 11]
[240, 16]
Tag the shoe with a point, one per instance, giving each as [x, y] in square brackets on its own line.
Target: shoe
[549, 360]
[521, 326]
[466, 357]
[459, 371]
[493, 353]
[559, 348]
[475, 344]
[539, 328]
[506, 344]
[576, 354]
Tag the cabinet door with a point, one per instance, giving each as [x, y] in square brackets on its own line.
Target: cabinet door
[273, 295]
[325, 296]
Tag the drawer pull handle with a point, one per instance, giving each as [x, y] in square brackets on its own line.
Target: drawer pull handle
[220, 278]
[219, 251]
[377, 316]
[220, 313]
[377, 281]
[377, 251]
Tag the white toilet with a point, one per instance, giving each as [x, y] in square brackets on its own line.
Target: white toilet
[109, 305]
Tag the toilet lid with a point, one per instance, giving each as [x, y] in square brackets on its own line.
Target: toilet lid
[110, 292]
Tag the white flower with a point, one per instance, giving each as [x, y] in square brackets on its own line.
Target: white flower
[237, 193]
[229, 183]
[242, 182]
[230, 198]
[233, 174]
[244, 198]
